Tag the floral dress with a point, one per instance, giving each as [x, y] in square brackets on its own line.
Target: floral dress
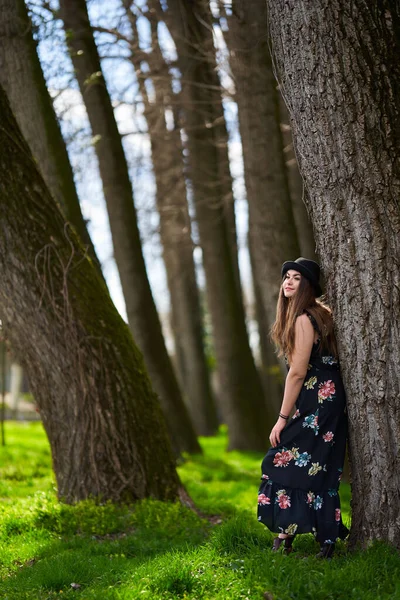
[300, 477]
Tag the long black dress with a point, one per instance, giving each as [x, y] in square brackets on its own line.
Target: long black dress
[301, 477]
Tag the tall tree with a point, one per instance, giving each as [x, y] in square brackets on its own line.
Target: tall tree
[22, 78]
[142, 314]
[303, 223]
[175, 225]
[107, 434]
[241, 394]
[345, 110]
[271, 223]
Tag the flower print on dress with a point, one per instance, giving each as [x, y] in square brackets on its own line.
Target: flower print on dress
[291, 529]
[264, 476]
[296, 414]
[332, 492]
[263, 499]
[310, 383]
[282, 459]
[303, 459]
[283, 499]
[328, 436]
[312, 422]
[337, 514]
[326, 391]
[318, 502]
[314, 469]
[310, 498]
[329, 360]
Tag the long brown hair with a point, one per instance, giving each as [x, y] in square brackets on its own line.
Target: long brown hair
[287, 311]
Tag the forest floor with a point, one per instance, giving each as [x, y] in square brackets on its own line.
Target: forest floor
[165, 551]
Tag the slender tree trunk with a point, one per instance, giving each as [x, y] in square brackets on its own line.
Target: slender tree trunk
[303, 223]
[107, 434]
[271, 223]
[271, 370]
[241, 395]
[142, 314]
[345, 111]
[175, 231]
[22, 78]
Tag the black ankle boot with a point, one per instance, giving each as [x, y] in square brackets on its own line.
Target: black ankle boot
[277, 543]
[326, 551]
[287, 544]
[287, 548]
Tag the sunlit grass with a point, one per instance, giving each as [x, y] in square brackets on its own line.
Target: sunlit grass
[165, 551]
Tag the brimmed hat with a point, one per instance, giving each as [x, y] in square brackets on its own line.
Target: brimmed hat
[308, 268]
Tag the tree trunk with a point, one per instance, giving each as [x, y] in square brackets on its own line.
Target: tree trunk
[303, 223]
[241, 395]
[22, 78]
[175, 230]
[271, 223]
[345, 110]
[272, 373]
[107, 434]
[142, 315]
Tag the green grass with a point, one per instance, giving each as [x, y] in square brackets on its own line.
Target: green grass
[165, 551]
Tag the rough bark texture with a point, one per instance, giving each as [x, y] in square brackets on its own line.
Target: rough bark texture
[142, 314]
[340, 73]
[22, 78]
[241, 397]
[271, 223]
[107, 434]
[175, 228]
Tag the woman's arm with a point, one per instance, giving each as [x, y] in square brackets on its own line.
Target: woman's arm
[303, 341]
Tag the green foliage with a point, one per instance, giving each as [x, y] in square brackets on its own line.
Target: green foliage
[161, 550]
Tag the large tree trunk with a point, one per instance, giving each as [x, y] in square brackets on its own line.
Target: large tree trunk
[22, 78]
[142, 314]
[340, 73]
[241, 394]
[175, 228]
[107, 434]
[271, 224]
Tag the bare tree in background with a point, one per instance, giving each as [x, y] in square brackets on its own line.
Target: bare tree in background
[345, 110]
[142, 314]
[107, 433]
[271, 223]
[303, 223]
[22, 78]
[175, 225]
[241, 394]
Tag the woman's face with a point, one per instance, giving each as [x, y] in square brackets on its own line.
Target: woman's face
[291, 283]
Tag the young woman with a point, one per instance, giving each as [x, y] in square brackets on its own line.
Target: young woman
[302, 471]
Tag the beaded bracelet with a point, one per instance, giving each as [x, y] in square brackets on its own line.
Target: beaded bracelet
[283, 416]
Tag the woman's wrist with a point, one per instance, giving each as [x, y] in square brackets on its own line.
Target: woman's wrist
[283, 416]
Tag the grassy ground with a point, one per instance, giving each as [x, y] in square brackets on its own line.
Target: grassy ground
[160, 551]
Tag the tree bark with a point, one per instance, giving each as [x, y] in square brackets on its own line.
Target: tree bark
[175, 228]
[241, 397]
[271, 223]
[142, 314]
[107, 434]
[22, 78]
[345, 110]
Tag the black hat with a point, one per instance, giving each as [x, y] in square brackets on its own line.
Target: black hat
[308, 268]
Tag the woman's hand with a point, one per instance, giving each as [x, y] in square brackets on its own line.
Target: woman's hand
[275, 435]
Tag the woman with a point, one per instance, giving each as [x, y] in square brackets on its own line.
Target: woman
[302, 471]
